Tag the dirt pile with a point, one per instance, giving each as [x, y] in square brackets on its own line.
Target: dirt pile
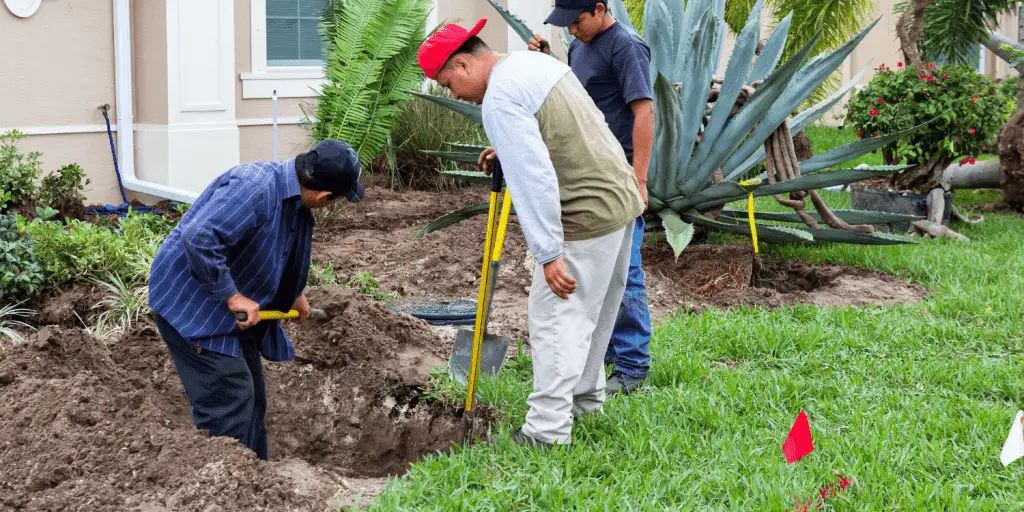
[89, 426]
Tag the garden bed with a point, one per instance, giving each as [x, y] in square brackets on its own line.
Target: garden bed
[378, 236]
[94, 426]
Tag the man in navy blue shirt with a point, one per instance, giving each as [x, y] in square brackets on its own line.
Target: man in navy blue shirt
[243, 246]
[614, 66]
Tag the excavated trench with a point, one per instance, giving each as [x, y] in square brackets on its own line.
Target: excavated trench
[94, 426]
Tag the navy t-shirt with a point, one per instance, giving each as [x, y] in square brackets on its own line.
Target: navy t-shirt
[614, 68]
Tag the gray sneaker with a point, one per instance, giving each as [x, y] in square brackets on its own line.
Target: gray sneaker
[519, 437]
[622, 383]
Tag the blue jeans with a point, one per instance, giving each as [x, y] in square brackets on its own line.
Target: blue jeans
[228, 394]
[628, 348]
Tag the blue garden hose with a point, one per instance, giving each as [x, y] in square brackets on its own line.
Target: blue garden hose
[124, 208]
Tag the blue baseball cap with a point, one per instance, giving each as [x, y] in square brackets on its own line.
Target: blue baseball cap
[333, 166]
[566, 11]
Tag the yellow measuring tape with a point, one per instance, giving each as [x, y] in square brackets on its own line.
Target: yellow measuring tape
[748, 185]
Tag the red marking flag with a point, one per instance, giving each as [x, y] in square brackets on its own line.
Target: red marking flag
[799, 442]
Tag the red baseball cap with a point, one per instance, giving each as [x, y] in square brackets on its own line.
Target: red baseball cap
[435, 51]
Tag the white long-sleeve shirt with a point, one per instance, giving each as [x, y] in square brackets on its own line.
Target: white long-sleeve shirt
[567, 173]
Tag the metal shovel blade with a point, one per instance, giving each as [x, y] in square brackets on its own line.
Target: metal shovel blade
[492, 355]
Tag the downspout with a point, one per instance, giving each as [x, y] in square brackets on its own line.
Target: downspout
[125, 118]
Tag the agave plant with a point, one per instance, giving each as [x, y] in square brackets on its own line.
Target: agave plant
[713, 131]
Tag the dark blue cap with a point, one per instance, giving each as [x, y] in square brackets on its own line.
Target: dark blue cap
[566, 11]
[333, 166]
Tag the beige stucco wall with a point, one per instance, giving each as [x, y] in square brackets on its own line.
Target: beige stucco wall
[58, 68]
[58, 65]
[467, 12]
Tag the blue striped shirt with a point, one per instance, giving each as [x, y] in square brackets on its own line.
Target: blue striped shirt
[247, 232]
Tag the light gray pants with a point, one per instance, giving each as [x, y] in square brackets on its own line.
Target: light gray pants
[568, 338]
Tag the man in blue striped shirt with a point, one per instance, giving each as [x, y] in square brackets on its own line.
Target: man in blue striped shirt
[243, 246]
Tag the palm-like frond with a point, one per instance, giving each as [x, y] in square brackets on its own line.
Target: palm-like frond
[371, 59]
[953, 29]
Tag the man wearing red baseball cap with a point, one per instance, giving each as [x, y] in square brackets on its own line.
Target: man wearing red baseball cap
[576, 198]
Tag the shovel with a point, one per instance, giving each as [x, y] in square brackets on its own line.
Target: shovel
[477, 348]
[316, 314]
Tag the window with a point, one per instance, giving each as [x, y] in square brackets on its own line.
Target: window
[293, 32]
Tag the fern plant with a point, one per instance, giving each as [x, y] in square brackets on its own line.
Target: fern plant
[371, 50]
[710, 132]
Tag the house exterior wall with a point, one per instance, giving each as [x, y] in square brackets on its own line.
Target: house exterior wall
[57, 70]
[202, 93]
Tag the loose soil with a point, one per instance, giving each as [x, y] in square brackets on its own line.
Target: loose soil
[97, 427]
[89, 426]
[378, 235]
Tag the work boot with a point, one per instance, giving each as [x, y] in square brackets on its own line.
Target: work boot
[519, 437]
[621, 383]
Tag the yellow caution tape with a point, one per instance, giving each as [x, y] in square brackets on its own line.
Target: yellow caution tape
[748, 185]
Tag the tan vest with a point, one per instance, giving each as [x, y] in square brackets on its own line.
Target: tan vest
[598, 190]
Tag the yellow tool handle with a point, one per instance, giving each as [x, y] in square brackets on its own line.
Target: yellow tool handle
[269, 315]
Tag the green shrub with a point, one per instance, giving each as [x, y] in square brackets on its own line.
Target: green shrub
[968, 110]
[18, 174]
[20, 273]
[63, 189]
[80, 250]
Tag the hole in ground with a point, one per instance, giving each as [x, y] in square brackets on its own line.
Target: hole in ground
[108, 425]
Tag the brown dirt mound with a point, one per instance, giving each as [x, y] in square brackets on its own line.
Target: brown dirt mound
[89, 426]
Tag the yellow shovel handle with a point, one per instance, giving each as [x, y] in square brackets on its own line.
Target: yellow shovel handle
[269, 315]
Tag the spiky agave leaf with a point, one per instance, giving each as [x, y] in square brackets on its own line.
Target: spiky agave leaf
[677, 231]
[470, 111]
[799, 122]
[772, 51]
[849, 216]
[844, 236]
[735, 77]
[453, 218]
[773, 234]
[751, 117]
[728, 191]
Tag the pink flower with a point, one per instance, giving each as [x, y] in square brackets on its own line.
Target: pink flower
[931, 78]
[899, 64]
[860, 133]
[958, 138]
[920, 77]
[881, 101]
[968, 160]
[945, 75]
[876, 136]
[873, 112]
[971, 131]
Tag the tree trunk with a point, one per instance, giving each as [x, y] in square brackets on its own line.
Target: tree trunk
[1011, 156]
[908, 41]
[984, 174]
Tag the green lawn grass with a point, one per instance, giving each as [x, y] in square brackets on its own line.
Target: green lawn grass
[912, 402]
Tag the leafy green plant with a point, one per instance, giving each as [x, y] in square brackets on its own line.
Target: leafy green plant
[712, 131]
[371, 57]
[20, 273]
[122, 307]
[81, 250]
[18, 173]
[369, 287]
[63, 186]
[45, 212]
[965, 110]
[11, 316]
[322, 275]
